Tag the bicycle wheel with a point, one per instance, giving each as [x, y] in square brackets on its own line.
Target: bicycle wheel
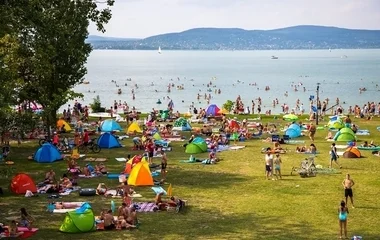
[82, 148]
[96, 148]
[41, 141]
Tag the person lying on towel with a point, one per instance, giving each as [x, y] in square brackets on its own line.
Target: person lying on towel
[100, 169]
[163, 205]
[88, 169]
[101, 189]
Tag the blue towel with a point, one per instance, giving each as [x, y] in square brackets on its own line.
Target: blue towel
[83, 208]
[158, 190]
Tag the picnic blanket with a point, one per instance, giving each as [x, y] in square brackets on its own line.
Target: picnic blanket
[121, 159]
[27, 232]
[145, 206]
[294, 141]
[220, 148]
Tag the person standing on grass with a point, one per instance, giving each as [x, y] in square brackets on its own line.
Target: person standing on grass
[277, 166]
[348, 183]
[343, 211]
[334, 156]
[164, 164]
[268, 164]
[312, 130]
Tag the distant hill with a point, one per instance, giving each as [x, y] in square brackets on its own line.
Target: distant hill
[298, 37]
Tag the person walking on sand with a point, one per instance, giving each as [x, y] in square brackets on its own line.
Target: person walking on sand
[342, 214]
[348, 183]
[334, 156]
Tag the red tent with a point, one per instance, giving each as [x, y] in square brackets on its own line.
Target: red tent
[234, 124]
[21, 183]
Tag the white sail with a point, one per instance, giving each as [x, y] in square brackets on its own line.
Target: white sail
[159, 50]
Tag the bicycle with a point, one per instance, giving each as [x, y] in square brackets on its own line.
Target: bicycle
[307, 168]
[90, 146]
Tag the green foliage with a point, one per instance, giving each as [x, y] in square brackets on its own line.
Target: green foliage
[49, 51]
[228, 105]
[24, 121]
[96, 105]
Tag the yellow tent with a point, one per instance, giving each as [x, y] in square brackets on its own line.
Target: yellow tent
[134, 128]
[140, 175]
[157, 136]
[223, 111]
[62, 122]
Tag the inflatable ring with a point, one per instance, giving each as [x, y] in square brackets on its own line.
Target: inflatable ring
[9, 162]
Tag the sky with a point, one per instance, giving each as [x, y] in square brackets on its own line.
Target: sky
[145, 18]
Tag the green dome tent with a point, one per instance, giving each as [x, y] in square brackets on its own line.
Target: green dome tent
[198, 145]
[345, 135]
[336, 123]
[181, 124]
[78, 222]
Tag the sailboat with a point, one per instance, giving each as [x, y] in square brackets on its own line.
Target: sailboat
[159, 50]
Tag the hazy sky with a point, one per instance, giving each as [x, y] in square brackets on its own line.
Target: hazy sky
[144, 18]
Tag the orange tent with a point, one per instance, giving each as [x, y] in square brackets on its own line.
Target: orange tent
[61, 123]
[131, 162]
[140, 175]
[352, 153]
[21, 183]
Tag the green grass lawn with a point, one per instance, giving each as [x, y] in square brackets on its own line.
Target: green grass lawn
[229, 200]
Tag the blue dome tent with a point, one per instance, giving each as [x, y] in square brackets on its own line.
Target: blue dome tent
[212, 110]
[293, 131]
[107, 140]
[110, 125]
[47, 153]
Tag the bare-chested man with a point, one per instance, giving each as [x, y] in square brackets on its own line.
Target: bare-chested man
[109, 221]
[348, 183]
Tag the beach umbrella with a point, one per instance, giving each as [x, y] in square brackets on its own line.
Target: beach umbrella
[290, 117]
[223, 111]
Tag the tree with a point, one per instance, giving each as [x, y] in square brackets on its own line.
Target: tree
[51, 50]
[228, 105]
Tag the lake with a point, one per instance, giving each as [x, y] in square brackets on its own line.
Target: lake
[340, 73]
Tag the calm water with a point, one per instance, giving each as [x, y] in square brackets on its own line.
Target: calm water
[232, 72]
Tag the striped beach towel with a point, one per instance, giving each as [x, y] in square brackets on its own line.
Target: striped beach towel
[145, 206]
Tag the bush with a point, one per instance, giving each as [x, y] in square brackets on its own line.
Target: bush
[96, 105]
[228, 105]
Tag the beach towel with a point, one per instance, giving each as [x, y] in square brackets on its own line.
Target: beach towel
[236, 147]
[95, 159]
[341, 146]
[295, 141]
[90, 176]
[171, 139]
[220, 148]
[158, 190]
[112, 193]
[122, 137]
[360, 133]
[145, 206]
[68, 191]
[121, 159]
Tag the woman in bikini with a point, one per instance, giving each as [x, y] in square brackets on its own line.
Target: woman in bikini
[342, 214]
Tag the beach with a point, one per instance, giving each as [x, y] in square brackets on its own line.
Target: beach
[341, 73]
